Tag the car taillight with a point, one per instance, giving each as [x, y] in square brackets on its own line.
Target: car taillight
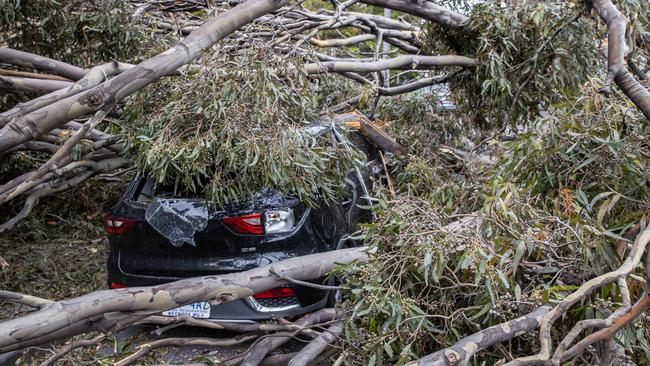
[245, 224]
[276, 293]
[116, 225]
[114, 285]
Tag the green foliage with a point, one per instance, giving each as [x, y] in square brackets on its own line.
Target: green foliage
[82, 33]
[425, 286]
[236, 127]
[592, 148]
[553, 211]
[430, 170]
[529, 54]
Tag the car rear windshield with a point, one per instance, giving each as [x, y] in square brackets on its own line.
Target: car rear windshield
[148, 189]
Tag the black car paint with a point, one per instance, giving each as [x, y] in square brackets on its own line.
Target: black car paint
[143, 257]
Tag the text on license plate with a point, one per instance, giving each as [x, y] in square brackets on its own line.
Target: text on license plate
[199, 310]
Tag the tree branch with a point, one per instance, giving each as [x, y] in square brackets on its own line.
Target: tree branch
[616, 52]
[33, 301]
[461, 352]
[26, 59]
[423, 9]
[399, 62]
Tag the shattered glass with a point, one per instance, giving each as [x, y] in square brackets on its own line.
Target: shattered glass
[177, 219]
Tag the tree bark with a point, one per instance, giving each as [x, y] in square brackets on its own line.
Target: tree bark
[317, 346]
[38, 86]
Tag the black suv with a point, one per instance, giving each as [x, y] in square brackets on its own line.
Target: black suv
[156, 237]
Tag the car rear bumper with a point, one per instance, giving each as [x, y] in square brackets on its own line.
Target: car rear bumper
[248, 309]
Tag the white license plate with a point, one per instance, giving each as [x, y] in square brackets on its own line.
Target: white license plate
[199, 310]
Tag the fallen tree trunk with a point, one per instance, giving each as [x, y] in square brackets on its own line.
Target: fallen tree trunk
[103, 310]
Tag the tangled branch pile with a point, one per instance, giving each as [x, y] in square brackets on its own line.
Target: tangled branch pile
[523, 203]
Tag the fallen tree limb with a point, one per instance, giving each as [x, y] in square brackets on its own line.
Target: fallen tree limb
[638, 309]
[545, 337]
[423, 9]
[258, 352]
[92, 78]
[38, 86]
[32, 75]
[461, 352]
[171, 322]
[33, 301]
[399, 62]
[103, 310]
